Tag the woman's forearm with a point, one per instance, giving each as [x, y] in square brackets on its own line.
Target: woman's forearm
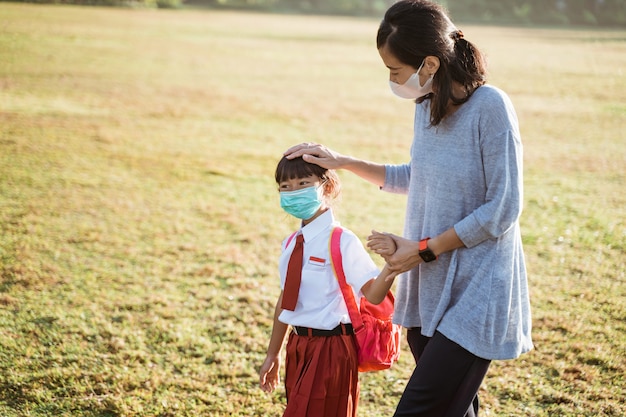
[369, 171]
[445, 242]
[315, 153]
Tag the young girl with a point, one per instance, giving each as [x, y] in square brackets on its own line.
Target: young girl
[321, 363]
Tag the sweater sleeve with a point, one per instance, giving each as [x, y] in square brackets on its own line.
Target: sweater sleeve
[397, 178]
[501, 150]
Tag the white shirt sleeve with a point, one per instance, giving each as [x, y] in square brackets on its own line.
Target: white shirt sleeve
[358, 265]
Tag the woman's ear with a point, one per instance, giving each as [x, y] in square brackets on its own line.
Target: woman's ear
[431, 64]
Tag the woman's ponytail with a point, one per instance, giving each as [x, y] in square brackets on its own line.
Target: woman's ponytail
[468, 66]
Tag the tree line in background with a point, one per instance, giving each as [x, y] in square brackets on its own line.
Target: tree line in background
[539, 12]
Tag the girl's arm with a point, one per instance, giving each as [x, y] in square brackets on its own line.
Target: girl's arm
[326, 158]
[269, 377]
[375, 290]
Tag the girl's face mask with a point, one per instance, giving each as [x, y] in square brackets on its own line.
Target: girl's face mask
[303, 203]
[412, 88]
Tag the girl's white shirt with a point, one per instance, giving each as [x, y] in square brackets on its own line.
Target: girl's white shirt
[320, 302]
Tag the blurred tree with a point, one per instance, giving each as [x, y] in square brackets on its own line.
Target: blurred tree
[578, 12]
[544, 12]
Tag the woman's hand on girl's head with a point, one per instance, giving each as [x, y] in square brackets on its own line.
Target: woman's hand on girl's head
[315, 153]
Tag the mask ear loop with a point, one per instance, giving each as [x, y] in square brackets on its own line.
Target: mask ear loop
[431, 76]
[420, 67]
[322, 186]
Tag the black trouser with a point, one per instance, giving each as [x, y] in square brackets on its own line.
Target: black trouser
[445, 381]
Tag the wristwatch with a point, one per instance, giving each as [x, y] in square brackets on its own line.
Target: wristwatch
[424, 251]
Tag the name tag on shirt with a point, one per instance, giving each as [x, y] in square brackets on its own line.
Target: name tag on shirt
[317, 261]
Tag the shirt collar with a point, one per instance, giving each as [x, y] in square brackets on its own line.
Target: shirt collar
[311, 230]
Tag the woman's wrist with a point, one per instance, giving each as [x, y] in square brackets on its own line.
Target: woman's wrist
[369, 171]
[445, 242]
[434, 246]
[415, 249]
[348, 162]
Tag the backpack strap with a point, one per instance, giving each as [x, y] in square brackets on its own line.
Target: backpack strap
[337, 264]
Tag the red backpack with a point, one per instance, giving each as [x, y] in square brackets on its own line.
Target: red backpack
[377, 338]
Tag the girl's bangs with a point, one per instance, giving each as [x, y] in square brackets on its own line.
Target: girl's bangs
[288, 169]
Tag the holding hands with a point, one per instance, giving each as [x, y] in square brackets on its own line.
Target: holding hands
[400, 254]
[382, 243]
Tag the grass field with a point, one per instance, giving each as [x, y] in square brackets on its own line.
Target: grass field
[139, 222]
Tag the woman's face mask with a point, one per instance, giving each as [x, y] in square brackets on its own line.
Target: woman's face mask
[303, 203]
[412, 88]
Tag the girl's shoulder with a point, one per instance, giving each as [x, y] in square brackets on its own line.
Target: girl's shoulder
[350, 242]
[345, 232]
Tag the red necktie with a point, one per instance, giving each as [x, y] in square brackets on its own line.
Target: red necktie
[294, 275]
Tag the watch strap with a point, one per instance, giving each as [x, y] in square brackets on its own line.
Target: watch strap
[425, 252]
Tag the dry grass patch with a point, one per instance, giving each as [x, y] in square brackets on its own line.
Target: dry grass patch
[140, 225]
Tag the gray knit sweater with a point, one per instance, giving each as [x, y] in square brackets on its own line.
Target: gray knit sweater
[467, 173]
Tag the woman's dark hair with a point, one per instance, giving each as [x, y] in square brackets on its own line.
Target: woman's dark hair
[288, 169]
[415, 29]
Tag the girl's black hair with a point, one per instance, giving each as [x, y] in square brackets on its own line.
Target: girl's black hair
[415, 29]
[288, 169]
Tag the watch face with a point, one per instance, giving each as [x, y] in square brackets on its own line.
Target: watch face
[427, 255]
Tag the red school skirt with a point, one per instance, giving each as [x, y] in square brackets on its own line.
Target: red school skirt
[322, 377]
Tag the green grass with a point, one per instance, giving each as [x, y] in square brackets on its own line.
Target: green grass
[139, 222]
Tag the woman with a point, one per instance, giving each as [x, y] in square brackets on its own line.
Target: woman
[464, 299]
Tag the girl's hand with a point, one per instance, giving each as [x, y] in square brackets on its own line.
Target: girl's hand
[268, 374]
[405, 258]
[315, 153]
[381, 243]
